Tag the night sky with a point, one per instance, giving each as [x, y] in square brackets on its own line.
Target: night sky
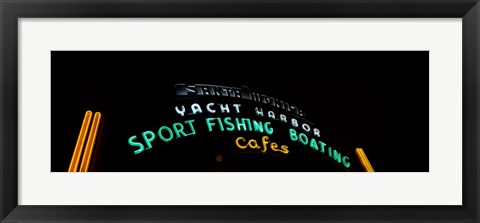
[377, 101]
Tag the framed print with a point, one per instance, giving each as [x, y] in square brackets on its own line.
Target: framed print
[244, 131]
[288, 111]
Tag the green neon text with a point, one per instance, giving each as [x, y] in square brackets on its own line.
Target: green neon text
[332, 153]
[165, 133]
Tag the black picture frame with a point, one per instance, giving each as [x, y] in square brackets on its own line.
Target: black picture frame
[12, 10]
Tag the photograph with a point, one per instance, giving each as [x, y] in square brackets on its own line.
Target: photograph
[240, 111]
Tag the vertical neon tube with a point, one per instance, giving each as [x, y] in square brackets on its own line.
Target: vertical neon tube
[87, 155]
[364, 160]
[80, 141]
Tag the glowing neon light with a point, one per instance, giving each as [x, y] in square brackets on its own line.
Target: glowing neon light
[364, 160]
[345, 161]
[314, 145]
[337, 156]
[293, 135]
[229, 124]
[162, 137]
[80, 141]
[165, 133]
[239, 124]
[220, 124]
[322, 146]
[148, 139]
[238, 144]
[87, 155]
[210, 124]
[303, 139]
[253, 144]
[242, 125]
[257, 126]
[139, 145]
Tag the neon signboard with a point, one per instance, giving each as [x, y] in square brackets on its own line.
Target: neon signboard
[297, 132]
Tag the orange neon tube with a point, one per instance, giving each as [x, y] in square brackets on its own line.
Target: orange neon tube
[80, 141]
[367, 164]
[87, 155]
[364, 160]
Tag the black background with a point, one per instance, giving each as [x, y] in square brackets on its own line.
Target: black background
[374, 100]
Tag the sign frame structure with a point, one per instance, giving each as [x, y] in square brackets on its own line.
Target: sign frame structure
[11, 11]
